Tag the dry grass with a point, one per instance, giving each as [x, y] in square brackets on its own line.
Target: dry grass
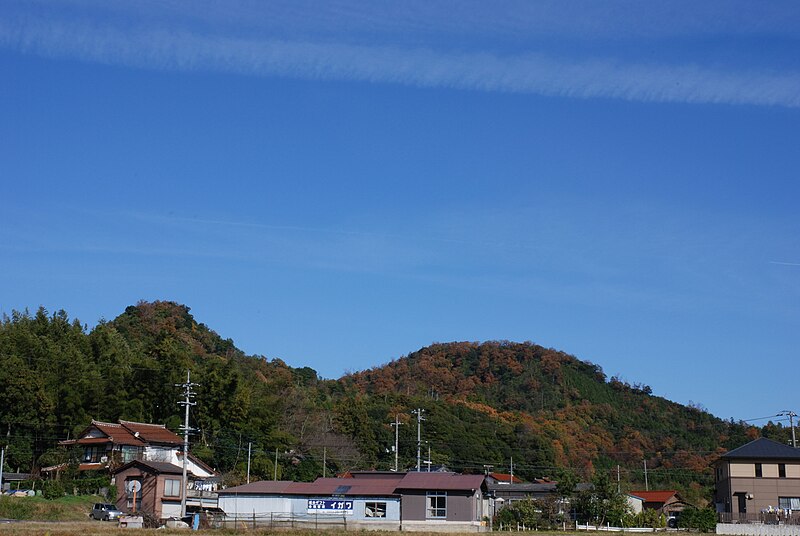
[99, 528]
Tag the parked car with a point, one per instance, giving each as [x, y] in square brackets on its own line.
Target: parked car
[104, 512]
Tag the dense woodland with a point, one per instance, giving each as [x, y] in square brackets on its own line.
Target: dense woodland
[484, 404]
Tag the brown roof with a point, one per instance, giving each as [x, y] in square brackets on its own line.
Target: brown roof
[115, 432]
[152, 433]
[348, 486]
[656, 496]
[503, 477]
[351, 487]
[91, 441]
[441, 481]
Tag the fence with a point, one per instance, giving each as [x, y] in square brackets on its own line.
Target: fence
[774, 517]
[292, 521]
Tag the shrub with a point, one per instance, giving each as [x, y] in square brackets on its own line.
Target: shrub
[53, 489]
[702, 519]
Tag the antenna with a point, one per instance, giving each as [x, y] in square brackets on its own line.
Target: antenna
[186, 402]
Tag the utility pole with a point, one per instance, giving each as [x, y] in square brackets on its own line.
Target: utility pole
[618, 488]
[275, 469]
[249, 447]
[396, 425]
[186, 403]
[428, 462]
[511, 481]
[646, 486]
[791, 415]
[418, 412]
[324, 461]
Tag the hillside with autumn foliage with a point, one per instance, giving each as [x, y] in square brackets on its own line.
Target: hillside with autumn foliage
[484, 404]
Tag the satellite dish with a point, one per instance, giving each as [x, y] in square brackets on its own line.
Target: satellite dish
[133, 486]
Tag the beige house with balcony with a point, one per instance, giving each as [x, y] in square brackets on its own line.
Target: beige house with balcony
[761, 477]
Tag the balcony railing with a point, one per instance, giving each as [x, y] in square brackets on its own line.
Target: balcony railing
[775, 517]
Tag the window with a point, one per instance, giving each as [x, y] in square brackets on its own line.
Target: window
[758, 470]
[375, 509]
[437, 504]
[781, 470]
[789, 503]
[172, 487]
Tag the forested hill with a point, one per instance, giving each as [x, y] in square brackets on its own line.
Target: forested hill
[484, 404]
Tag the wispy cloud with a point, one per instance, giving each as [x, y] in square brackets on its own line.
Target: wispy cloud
[527, 73]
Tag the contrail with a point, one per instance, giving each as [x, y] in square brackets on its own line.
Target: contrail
[526, 73]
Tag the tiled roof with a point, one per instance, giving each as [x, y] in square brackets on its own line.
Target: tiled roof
[503, 477]
[116, 432]
[656, 496]
[763, 448]
[152, 433]
[441, 481]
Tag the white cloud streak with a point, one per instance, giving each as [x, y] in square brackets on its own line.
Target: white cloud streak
[423, 68]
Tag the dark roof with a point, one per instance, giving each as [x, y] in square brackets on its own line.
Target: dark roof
[267, 487]
[763, 448]
[156, 467]
[441, 481]
[522, 488]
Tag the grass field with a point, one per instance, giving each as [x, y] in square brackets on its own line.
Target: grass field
[69, 508]
[100, 528]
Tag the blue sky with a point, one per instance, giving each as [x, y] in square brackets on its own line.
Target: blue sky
[339, 184]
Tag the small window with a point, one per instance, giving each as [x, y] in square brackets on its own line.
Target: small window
[789, 503]
[758, 470]
[437, 504]
[781, 470]
[375, 509]
[172, 487]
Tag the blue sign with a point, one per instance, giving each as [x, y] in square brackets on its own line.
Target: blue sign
[326, 506]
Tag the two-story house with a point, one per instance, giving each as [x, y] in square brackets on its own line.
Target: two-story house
[761, 476]
[108, 446]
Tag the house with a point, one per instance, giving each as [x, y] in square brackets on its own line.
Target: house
[107, 446]
[502, 478]
[666, 502]
[355, 501]
[155, 487]
[364, 500]
[443, 501]
[759, 477]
